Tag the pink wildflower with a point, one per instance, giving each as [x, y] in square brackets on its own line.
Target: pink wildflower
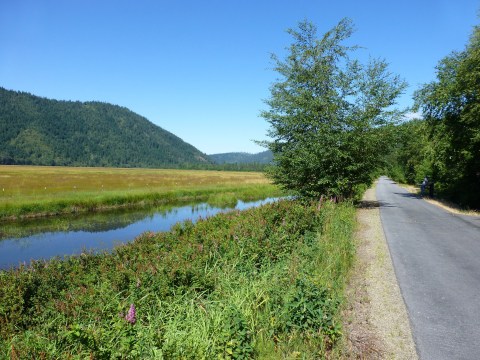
[131, 315]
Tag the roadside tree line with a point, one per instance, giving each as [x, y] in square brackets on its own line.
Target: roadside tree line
[445, 144]
[335, 125]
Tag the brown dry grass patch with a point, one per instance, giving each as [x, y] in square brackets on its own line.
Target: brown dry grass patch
[40, 181]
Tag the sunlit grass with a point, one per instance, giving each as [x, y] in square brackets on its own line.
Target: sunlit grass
[264, 283]
[33, 190]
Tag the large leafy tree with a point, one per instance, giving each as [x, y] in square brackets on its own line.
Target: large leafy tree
[451, 107]
[328, 114]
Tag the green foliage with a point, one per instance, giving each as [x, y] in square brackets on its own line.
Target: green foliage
[329, 114]
[311, 308]
[231, 286]
[235, 340]
[39, 131]
[410, 159]
[451, 108]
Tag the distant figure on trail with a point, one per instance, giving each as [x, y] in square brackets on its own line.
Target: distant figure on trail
[423, 185]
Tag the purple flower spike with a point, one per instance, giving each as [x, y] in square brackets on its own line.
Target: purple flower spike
[131, 315]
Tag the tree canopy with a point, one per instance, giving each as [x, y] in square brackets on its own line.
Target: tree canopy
[329, 114]
[451, 108]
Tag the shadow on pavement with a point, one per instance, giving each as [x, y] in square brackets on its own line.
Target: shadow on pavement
[409, 195]
[370, 204]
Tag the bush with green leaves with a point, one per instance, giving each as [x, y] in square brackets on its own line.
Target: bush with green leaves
[311, 308]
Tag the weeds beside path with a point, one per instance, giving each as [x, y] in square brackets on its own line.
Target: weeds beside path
[376, 321]
[262, 283]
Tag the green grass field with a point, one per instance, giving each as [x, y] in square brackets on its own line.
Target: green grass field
[35, 191]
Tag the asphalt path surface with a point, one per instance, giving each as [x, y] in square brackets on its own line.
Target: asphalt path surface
[436, 256]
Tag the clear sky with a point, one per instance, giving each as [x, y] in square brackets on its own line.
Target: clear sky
[201, 69]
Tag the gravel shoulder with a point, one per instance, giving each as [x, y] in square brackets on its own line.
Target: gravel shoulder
[376, 321]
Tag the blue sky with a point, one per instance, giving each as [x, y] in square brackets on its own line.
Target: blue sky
[201, 69]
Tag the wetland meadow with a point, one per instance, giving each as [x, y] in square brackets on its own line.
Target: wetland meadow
[263, 282]
[38, 191]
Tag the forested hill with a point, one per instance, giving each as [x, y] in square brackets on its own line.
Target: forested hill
[39, 131]
[264, 157]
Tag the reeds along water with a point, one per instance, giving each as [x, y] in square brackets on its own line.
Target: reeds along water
[61, 236]
[229, 284]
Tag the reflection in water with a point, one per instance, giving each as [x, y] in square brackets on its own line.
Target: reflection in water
[44, 239]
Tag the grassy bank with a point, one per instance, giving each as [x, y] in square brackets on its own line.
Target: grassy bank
[263, 283]
[29, 191]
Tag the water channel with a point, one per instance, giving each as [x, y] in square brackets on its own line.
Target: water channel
[37, 239]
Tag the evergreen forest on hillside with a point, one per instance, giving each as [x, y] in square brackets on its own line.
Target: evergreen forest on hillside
[264, 157]
[39, 131]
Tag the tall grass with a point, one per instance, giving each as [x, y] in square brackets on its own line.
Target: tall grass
[262, 283]
[27, 191]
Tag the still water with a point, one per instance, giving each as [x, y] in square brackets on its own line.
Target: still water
[36, 240]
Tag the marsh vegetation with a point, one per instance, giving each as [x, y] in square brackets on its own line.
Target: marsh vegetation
[45, 238]
[265, 282]
[32, 191]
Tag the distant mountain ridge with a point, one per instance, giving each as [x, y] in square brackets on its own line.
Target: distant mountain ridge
[264, 157]
[40, 131]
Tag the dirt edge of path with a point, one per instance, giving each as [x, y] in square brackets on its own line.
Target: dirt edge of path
[376, 320]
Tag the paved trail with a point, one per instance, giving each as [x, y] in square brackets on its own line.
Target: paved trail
[436, 255]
